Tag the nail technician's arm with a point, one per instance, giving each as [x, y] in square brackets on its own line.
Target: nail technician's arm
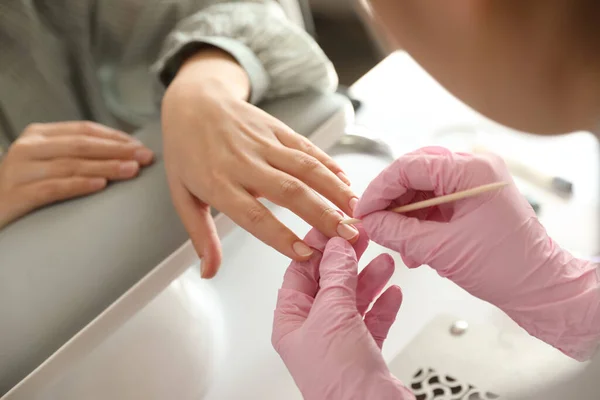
[492, 245]
[322, 330]
[222, 151]
[58, 161]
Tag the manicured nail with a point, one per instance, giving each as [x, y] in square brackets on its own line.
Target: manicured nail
[353, 203]
[302, 250]
[202, 271]
[143, 155]
[344, 178]
[347, 232]
[97, 183]
[128, 169]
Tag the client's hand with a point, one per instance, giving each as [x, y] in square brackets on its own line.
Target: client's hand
[322, 330]
[491, 245]
[58, 161]
[224, 152]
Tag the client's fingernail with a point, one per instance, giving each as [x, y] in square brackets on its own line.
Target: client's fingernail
[202, 271]
[353, 203]
[302, 250]
[97, 183]
[128, 169]
[344, 178]
[347, 232]
[143, 156]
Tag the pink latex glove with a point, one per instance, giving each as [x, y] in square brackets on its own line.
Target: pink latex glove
[492, 245]
[321, 330]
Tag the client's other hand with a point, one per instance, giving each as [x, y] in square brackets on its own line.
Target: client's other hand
[57, 161]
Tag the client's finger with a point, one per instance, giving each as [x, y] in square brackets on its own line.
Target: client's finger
[89, 128]
[303, 276]
[293, 140]
[199, 224]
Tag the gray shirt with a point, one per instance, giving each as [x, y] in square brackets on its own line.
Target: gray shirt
[109, 60]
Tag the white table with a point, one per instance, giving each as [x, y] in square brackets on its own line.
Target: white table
[251, 274]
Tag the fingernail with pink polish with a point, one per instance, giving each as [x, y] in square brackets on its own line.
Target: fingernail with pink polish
[353, 203]
[302, 250]
[347, 232]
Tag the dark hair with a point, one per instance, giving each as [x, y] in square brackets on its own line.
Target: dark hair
[586, 24]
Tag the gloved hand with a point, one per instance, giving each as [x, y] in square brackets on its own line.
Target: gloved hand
[329, 342]
[492, 245]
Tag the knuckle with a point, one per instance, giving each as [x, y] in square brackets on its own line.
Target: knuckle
[66, 167]
[269, 147]
[20, 147]
[32, 128]
[291, 188]
[87, 127]
[112, 167]
[79, 146]
[16, 147]
[308, 163]
[213, 183]
[329, 213]
[50, 190]
[306, 145]
[256, 214]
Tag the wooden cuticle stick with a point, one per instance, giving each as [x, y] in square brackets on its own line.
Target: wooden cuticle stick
[436, 201]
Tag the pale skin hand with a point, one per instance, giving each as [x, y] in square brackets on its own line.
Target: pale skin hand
[58, 161]
[223, 152]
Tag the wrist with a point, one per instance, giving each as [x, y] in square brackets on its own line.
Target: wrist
[379, 385]
[386, 386]
[211, 72]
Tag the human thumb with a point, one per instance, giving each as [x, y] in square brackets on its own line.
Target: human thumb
[339, 276]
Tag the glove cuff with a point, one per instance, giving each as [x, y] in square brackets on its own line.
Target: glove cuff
[376, 386]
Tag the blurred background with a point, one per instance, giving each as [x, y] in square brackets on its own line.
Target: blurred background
[341, 29]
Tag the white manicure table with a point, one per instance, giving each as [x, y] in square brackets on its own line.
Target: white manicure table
[170, 336]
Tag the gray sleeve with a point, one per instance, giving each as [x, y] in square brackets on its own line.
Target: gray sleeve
[279, 57]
